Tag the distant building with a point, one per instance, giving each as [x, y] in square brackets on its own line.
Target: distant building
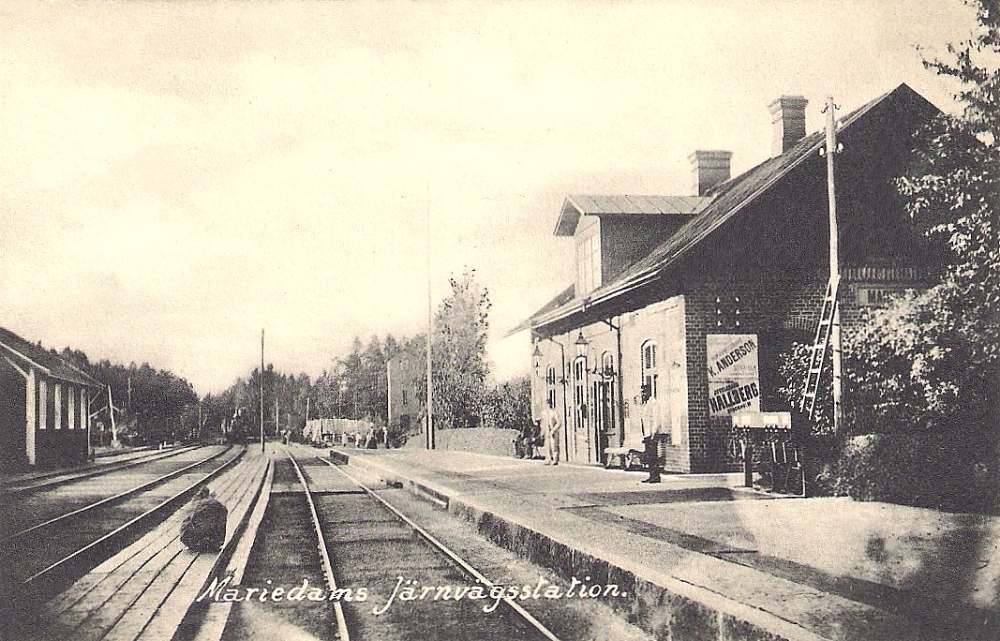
[44, 406]
[405, 376]
[682, 304]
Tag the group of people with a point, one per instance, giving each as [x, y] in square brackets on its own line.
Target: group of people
[545, 434]
[541, 435]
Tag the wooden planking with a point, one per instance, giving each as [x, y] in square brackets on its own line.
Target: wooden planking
[216, 615]
[170, 614]
[119, 599]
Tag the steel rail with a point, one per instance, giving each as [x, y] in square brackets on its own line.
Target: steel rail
[452, 556]
[52, 480]
[331, 579]
[125, 528]
[112, 499]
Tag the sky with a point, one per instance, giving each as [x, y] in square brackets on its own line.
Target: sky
[176, 176]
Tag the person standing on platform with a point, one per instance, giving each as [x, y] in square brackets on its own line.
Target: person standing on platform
[650, 423]
[550, 423]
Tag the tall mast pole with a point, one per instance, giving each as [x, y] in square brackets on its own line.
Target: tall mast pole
[430, 331]
[111, 414]
[262, 390]
[835, 339]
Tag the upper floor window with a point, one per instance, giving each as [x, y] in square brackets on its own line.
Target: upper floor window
[588, 263]
[650, 371]
[404, 397]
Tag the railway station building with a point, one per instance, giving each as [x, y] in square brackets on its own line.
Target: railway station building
[681, 305]
[44, 406]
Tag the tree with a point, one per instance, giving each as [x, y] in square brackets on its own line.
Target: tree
[928, 366]
[459, 363]
[936, 354]
[508, 405]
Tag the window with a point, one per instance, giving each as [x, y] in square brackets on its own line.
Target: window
[550, 382]
[588, 263]
[404, 397]
[607, 363]
[580, 391]
[650, 371]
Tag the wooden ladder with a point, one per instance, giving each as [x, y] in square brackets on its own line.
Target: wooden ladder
[817, 353]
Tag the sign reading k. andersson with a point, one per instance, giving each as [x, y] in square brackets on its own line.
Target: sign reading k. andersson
[733, 376]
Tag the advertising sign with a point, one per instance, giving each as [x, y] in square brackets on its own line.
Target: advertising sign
[733, 375]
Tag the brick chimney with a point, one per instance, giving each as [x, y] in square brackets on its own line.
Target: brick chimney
[709, 168]
[788, 117]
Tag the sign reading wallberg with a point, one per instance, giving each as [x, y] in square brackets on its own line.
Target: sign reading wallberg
[733, 375]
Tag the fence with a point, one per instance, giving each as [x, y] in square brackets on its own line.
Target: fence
[336, 430]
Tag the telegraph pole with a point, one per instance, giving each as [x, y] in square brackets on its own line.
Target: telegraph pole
[111, 414]
[835, 340]
[430, 330]
[262, 390]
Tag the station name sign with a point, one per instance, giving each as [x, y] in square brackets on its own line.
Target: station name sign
[733, 374]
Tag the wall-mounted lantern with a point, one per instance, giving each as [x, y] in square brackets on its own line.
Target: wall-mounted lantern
[581, 345]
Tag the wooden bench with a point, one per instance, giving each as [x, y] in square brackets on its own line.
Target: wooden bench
[632, 448]
[144, 592]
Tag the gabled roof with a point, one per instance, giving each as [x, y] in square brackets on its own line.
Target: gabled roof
[730, 198]
[30, 355]
[597, 205]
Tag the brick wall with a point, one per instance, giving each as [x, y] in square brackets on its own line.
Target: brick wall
[764, 307]
[778, 310]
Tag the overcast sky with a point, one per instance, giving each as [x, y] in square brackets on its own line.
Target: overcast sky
[174, 176]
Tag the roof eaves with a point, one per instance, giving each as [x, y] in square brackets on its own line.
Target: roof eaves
[569, 215]
[27, 359]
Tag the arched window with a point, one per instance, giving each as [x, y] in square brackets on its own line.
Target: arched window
[650, 371]
[607, 363]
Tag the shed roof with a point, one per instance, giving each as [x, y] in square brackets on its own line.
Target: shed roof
[31, 355]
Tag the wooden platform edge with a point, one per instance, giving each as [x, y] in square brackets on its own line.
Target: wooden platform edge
[206, 620]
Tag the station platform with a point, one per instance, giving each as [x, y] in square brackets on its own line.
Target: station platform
[705, 558]
[102, 459]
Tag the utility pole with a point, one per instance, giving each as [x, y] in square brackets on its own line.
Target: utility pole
[262, 390]
[111, 413]
[835, 340]
[430, 331]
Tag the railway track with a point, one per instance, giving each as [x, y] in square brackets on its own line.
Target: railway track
[46, 545]
[58, 478]
[326, 534]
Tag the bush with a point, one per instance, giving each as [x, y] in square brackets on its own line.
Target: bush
[930, 469]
